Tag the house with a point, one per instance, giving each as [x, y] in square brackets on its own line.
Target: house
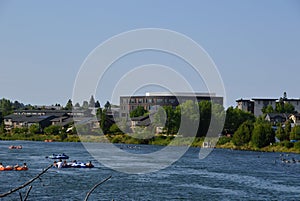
[25, 118]
[19, 121]
[275, 118]
[142, 121]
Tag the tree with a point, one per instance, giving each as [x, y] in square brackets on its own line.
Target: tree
[92, 102]
[107, 105]
[69, 105]
[268, 109]
[97, 104]
[52, 130]
[243, 134]
[287, 129]
[137, 112]
[289, 108]
[280, 134]
[34, 128]
[114, 129]
[295, 133]
[235, 117]
[85, 105]
[6, 106]
[262, 134]
[189, 118]
[77, 105]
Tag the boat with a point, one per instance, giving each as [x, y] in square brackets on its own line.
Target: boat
[15, 147]
[75, 165]
[58, 156]
[81, 165]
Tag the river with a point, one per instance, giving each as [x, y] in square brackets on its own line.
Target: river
[223, 175]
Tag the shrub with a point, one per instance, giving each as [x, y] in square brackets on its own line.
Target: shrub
[223, 140]
[297, 145]
[288, 144]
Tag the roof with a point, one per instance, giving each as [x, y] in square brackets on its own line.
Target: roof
[265, 99]
[28, 118]
[242, 100]
[273, 115]
[140, 118]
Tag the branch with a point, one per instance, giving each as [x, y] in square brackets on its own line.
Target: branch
[27, 193]
[98, 184]
[25, 184]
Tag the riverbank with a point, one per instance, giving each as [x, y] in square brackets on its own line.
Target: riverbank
[223, 142]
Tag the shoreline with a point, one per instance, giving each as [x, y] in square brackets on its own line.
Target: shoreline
[157, 140]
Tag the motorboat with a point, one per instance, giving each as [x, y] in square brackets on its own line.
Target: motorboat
[58, 156]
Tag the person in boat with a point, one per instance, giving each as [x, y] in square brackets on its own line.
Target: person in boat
[65, 164]
[89, 164]
[59, 163]
[16, 166]
[24, 165]
[54, 164]
[1, 165]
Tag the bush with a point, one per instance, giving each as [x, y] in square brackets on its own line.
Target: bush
[223, 140]
[288, 144]
[297, 145]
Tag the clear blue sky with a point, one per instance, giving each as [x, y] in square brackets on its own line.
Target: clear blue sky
[255, 44]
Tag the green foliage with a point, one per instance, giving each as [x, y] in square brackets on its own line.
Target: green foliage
[52, 130]
[223, 140]
[284, 107]
[281, 134]
[34, 128]
[268, 109]
[22, 130]
[189, 118]
[137, 112]
[288, 144]
[243, 134]
[69, 105]
[295, 133]
[235, 117]
[262, 134]
[114, 129]
[168, 118]
[6, 106]
[297, 145]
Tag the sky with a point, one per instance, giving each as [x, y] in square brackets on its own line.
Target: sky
[255, 45]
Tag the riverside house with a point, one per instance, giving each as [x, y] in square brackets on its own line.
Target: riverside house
[44, 118]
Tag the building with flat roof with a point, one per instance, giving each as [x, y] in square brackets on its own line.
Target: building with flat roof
[150, 101]
[255, 105]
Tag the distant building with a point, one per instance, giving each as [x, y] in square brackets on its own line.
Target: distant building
[152, 100]
[44, 118]
[255, 105]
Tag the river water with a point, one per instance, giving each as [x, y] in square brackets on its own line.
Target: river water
[223, 175]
